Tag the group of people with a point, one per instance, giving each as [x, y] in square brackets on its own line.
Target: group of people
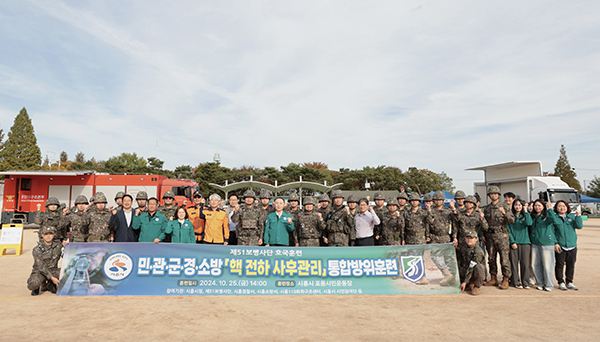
[541, 239]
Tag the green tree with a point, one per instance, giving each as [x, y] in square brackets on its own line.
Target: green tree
[126, 163]
[64, 157]
[211, 173]
[594, 188]
[21, 151]
[564, 170]
[80, 157]
[183, 172]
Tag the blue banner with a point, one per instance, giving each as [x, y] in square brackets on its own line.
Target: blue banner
[190, 269]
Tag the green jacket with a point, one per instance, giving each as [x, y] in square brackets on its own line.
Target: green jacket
[519, 230]
[182, 232]
[150, 227]
[542, 230]
[565, 229]
[277, 229]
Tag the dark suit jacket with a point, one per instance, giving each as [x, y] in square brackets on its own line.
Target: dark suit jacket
[123, 232]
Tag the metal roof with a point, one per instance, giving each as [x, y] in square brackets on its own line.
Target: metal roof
[505, 165]
[47, 173]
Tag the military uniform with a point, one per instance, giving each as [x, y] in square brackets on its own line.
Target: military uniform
[74, 220]
[45, 263]
[96, 221]
[142, 195]
[416, 226]
[340, 227]
[309, 229]
[475, 265]
[392, 228]
[497, 237]
[50, 219]
[441, 231]
[294, 213]
[463, 224]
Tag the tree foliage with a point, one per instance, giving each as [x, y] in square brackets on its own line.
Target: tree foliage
[21, 151]
[593, 189]
[564, 170]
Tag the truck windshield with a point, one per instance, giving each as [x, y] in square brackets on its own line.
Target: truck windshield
[569, 197]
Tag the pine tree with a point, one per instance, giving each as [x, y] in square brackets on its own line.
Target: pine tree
[593, 189]
[64, 157]
[564, 170]
[21, 151]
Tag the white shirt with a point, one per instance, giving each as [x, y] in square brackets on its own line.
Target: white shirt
[128, 216]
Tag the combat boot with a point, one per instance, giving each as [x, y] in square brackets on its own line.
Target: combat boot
[51, 287]
[504, 285]
[423, 281]
[475, 291]
[35, 292]
[471, 285]
[448, 278]
[492, 282]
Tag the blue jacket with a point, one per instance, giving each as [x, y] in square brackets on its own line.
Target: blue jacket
[277, 229]
[150, 227]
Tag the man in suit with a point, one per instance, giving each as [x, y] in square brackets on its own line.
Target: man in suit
[120, 222]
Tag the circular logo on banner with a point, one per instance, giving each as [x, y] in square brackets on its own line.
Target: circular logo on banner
[118, 266]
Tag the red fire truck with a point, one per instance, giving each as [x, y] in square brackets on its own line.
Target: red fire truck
[23, 190]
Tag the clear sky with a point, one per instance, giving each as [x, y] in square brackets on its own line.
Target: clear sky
[443, 85]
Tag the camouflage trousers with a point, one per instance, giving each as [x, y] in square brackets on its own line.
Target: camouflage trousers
[444, 260]
[462, 258]
[308, 242]
[498, 243]
[478, 275]
[37, 279]
[339, 240]
[247, 238]
[95, 238]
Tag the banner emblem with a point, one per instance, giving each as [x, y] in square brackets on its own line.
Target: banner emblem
[413, 267]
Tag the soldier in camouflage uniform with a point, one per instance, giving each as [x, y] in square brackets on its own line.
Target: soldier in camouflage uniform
[142, 201]
[402, 200]
[393, 224]
[74, 220]
[265, 198]
[475, 264]
[324, 209]
[468, 220]
[309, 225]
[459, 198]
[416, 228]
[293, 209]
[352, 204]
[340, 224]
[379, 210]
[119, 200]
[498, 216]
[440, 231]
[251, 227]
[168, 209]
[95, 220]
[50, 218]
[45, 271]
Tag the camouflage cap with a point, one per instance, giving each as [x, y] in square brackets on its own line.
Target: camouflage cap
[294, 197]
[337, 194]
[403, 195]
[460, 195]
[439, 195]
[471, 233]
[169, 194]
[352, 199]
[52, 200]
[100, 198]
[142, 195]
[119, 194]
[47, 229]
[471, 199]
[414, 197]
[324, 198]
[81, 200]
[392, 201]
[379, 196]
[249, 193]
[428, 198]
[264, 194]
[309, 200]
[493, 190]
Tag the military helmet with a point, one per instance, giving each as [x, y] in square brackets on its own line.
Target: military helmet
[378, 195]
[119, 194]
[294, 197]
[336, 194]
[81, 200]
[471, 199]
[352, 199]
[471, 233]
[460, 195]
[392, 201]
[142, 195]
[309, 200]
[439, 195]
[403, 195]
[52, 200]
[493, 190]
[414, 197]
[428, 197]
[169, 194]
[264, 194]
[324, 198]
[100, 198]
[249, 193]
[47, 229]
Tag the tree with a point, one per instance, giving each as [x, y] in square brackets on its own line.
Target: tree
[21, 151]
[564, 170]
[183, 172]
[64, 157]
[79, 158]
[1, 139]
[594, 188]
[126, 163]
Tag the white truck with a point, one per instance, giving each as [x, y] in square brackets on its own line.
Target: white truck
[527, 181]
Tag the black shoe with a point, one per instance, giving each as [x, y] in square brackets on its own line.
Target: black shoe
[51, 287]
[35, 292]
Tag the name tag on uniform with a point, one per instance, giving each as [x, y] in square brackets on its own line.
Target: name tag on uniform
[157, 219]
[185, 225]
[472, 264]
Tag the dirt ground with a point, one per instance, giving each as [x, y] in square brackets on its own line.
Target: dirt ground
[510, 315]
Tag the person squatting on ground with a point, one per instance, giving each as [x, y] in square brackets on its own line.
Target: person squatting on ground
[45, 271]
[475, 264]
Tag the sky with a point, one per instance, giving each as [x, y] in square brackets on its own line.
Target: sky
[439, 85]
